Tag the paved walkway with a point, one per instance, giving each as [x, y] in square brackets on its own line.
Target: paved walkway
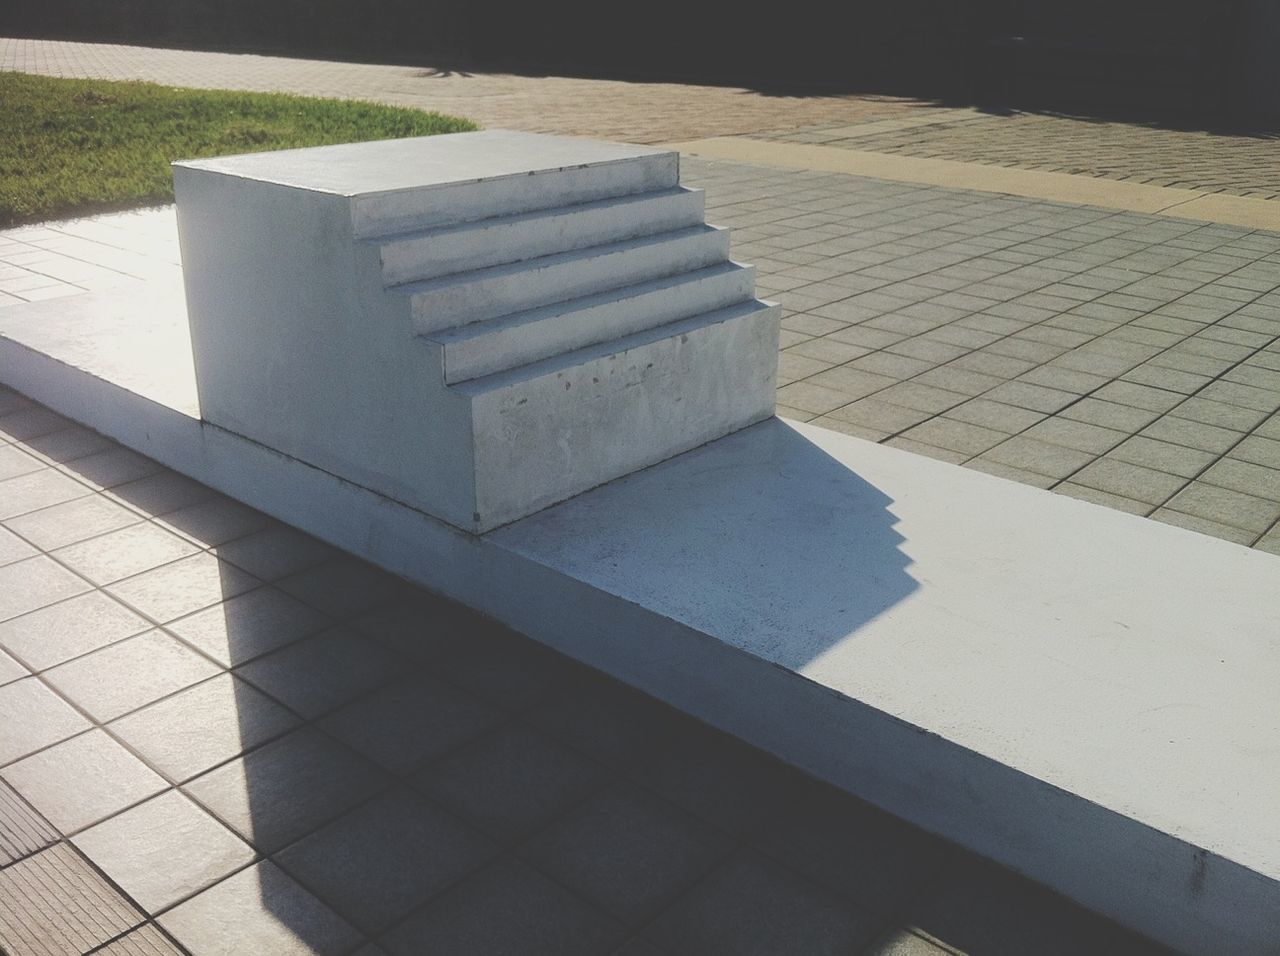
[219, 736]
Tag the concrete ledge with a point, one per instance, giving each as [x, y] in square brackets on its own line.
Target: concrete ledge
[1081, 695]
[1008, 180]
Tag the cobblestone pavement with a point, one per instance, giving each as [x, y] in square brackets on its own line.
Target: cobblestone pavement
[217, 735]
[1129, 360]
[611, 109]
[1241, 165]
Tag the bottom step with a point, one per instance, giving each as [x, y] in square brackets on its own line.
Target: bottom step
[554, 425]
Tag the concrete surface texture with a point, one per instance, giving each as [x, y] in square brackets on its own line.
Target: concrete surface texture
[479, 325]
[532, 803]
[900, 573]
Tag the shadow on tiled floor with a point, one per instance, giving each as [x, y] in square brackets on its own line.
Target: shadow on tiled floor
[219, 735]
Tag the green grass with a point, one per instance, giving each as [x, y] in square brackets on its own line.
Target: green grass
[72, 147]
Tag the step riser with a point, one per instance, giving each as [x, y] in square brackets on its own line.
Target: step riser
[559, 430]
[515, 289]
[471, 356]
[380, 214]
[495, 242]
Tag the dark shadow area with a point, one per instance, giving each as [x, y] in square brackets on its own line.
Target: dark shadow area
[1135, 59]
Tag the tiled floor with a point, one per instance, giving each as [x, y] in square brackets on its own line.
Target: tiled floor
[219, 735]
[1130, 360]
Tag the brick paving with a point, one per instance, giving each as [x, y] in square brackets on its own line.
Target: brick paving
[611, 109]
[218, 735]
[1239, 164]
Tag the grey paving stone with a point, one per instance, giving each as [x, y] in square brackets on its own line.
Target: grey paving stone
[13, 548]
[903, 942]
[753, 905]
[381, 861]
[607, 721]
[14, 461]
[421, 626]
[123, 553]
[1221, 414]
[980, 908]
[826, 351]
[22, 830]
[319, 674]
[1245, 396]
[849, 428]
[163, 850]
[67, 445]
[1038, 457]
[505, 669]
[1138, 396]
[879, 415]
[1259, 451]
[928, 451]
[1214, 529]
[510, 782]
[812, 398]
[124, 676]
[204, 725]
[411, 721]
[1064, 379]
[38, 490]
[1129, 481]
[249, 625]
[793, 367]
[628, 852]
[1257, 480]
[215, 521]
[507, 908]
[146, 940]
[1104, 498]
[275, 552]
[1007, 419]
[73, 521]
[186, 585]
[31, 422]
[1270, 542]
[11, 670]
[259, 910]
[54, 903]
[82, 780]
[1184, 431]
[1224, 506]
[34, 583]
[33, 717]
[1035, 397]
[1109, 414]
[990, 362]
[160, 494]
[1162, 456]
[278, 793]
[854, 382]
[1070, 433]
[925, 398]
[890, 364]
[1020, 475]
[112, 466]
[955, 379]
[57, 633]
[1269, 428]
[866, 337]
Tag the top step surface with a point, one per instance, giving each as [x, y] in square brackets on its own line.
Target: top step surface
[393, 183]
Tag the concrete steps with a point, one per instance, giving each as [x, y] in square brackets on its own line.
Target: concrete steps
[456, 300]
[447, 250]
[496, 345]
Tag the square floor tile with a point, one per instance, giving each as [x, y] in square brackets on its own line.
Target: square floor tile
[195, 729]
[36, 490]
[82, 780]
[146, 940]
[411, 721]
[35, 583]
[284, 790]
[161, 493]
[11, 670]
[31, 717]
[215, 521]
[384, 859]
[607, 721]
[110, 467]
[753, 905]
[276, 552]
[506, 669]
[249, 625]
[629, 853]
[110, 682]
[14, 461]
[511, 782]
[506, 908]
[187, 585]
[125, 552]
[343, 588]
[13, 548]
[22, 830]
[73, 521]
[163, 850]
[259, 910]
[319, 674]
[67, 444]
[68, 629]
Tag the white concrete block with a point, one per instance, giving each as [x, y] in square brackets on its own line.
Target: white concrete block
[307, 340]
